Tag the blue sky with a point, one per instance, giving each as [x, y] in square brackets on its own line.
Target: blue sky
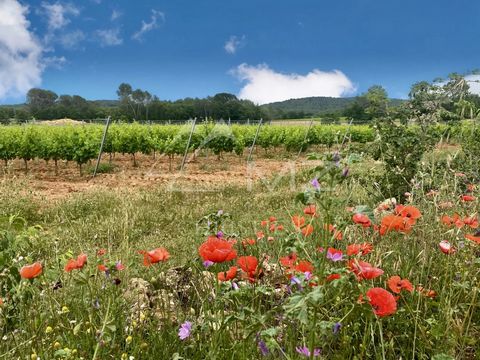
[197, 48]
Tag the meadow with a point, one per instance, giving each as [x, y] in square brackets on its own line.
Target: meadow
[339, 262]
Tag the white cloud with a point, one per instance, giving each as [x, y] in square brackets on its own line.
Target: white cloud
[109, 37]
[20, 52]
[153, 24]
[57, 14]
[71, 40]
[115, 15]
[264, 85]
[474, 83]
[233, 44]
[56, 62]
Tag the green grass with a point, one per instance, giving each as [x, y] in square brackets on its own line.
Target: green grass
[93, 316]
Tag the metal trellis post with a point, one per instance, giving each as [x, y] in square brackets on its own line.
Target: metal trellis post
[104, 137]
[188, 144]
[254, 141]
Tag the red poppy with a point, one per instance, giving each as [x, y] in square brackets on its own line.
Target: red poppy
[363, 249]
[332, 277]
[471, 221]
[468, 198]
[31, 271]
[217, 250]
[470, 187]
[362, 219]
[249, 265]
[154, 256]
[475, 238]
[410, 212]
[310, 210]
[272, 227]
[364, 270]
[396, 284]
[307, 230]
[279, 227]
[446, 247]
[289, 261]
[304, 266]
[101, 252]
[395, 223]
[76, 264]
[454, 220]
[272, 219]
[264, 223]
[298, 221]
[337, 234]
[426, 292]
[248, 242]
[383, 303]
[227, 275]
[102, 267]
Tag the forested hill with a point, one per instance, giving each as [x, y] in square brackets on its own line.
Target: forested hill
[315, 105]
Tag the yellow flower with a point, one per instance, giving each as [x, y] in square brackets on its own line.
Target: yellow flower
[124, 356]
[142, 316]
[33, 356]
[57, 345]
[144, 346]
[48, 330]
[65, 309]
[128, 340]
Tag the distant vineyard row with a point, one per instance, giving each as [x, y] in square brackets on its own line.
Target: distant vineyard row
[81, 143]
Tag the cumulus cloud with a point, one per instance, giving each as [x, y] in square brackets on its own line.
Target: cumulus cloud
[232, 44]
[109, 37]
[149, 26]
[20, 53]
[57, 14]
[263, 85]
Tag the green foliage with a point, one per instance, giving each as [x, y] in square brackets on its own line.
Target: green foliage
[401, 149]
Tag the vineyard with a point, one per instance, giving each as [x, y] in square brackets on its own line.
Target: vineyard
[81, 143]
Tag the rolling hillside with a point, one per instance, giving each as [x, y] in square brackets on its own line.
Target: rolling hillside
[314, 105]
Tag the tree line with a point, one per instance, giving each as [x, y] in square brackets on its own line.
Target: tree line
[132, 105]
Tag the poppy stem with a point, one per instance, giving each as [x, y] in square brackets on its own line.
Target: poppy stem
[381, 338]
[103, 329]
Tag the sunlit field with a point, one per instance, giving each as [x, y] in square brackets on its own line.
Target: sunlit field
[325, 264]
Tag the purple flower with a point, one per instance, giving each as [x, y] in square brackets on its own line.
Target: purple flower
[263, 347]
[315, 184]
[345, 172]
[220, 234]
[185, 330]
[304, 351]
[235, 286]
[208, 263]
[308, 275]
[220, 213]
[334, 255]
[296, 281]
[336, 328]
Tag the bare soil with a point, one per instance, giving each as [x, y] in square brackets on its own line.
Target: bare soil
[205, 173]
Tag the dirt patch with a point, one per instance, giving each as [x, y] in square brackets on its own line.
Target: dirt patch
[61, 122]
[204, 173]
